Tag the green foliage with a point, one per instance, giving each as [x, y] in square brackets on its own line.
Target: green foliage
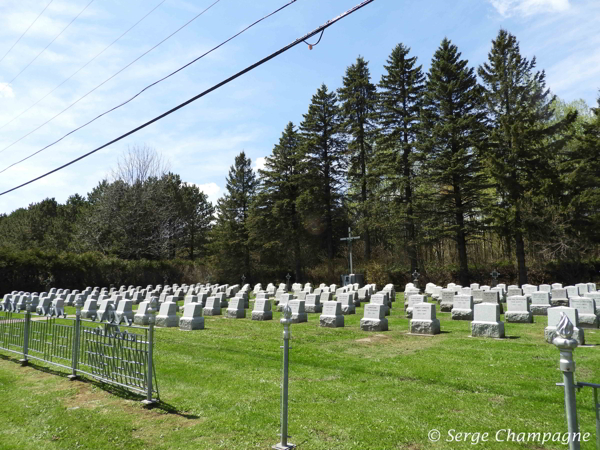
[38, 270]
[325, 166]
[400, 101]
[358, 97]
[453, 133]
[230, 235]
[522, 138]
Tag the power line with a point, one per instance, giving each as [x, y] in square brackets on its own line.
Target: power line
[25, 32]
[44, 49]
[112, 76]
[148, 87]
[202, 94]
[85, 65]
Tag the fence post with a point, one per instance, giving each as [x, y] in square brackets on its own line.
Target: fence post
[285, 321]
[149, 401]
[24, 361]
[78, 305]
[566, 344]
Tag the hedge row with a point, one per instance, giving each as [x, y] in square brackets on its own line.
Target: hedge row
[38, 271]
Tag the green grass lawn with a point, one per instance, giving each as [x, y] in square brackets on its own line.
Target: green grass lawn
[349, 389]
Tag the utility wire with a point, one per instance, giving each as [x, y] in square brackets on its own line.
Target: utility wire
[202, 94]
[25, 32]
[44, 49]
[112, 76]
[149, 86]
[85, 65]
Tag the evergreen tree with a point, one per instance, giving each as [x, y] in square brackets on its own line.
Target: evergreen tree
[453, 132]
[323, 157]
[400, 100]
[358, 98]
[231, 250]
[522, 137]
[276, 224]
[197, 214]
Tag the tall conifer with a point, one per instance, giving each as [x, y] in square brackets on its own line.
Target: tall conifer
[453, 132]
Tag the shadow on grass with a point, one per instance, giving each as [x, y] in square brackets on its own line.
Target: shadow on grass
[112, 389]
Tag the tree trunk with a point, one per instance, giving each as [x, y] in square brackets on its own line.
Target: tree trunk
[520, 246]
[461, 242]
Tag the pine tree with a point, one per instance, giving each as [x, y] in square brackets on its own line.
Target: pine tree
[323, 157]
[453, 133]
[519, 108]
[231, 249]
[276, 223]
[358, 98]
[400, 100]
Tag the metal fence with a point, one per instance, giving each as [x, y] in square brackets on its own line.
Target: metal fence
[109, 353]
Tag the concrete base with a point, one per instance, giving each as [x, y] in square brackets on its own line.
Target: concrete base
[559, 302]
[149, 403]
[262, 315]
[462, 314]
[550, 334]
[280, 446]
[348, 309]
[72, 377]
[313, 308]
[374, 324]
[487, 329]
[299, 318]
[425, 326]
[446, 307]
[588, 321]
[167, 321]
[24, 362]
[140, 320]
[518, 317]
[236, 314]
[187, 324]
[331, 321]
[211, 312]
[539, 310]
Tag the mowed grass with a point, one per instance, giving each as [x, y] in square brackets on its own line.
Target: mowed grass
[349, 389]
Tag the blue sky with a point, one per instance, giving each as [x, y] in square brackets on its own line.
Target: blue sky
[249, 114]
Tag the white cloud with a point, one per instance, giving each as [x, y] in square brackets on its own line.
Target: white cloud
[211, 190]
[528, 7]
[259, 163]
[6, 91]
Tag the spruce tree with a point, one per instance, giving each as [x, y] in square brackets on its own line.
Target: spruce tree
[323, 158]
[231, 250]
[276, 223]
[400, 99]
[519, 108]
[358, 98]
[453, 132]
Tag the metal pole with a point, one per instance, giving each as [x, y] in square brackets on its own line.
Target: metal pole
[350, 256]
[24, 361]
[597, 418]
[285, 321]
[78, 305]
[566, 344]
[151, 320]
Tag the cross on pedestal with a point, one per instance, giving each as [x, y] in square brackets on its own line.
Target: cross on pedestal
[287, 285]
[350, 238]
[416, 276]
[495, 276]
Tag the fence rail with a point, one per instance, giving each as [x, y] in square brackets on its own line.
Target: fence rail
[121, 356]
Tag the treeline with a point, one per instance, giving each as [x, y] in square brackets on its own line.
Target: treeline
[452, 172]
